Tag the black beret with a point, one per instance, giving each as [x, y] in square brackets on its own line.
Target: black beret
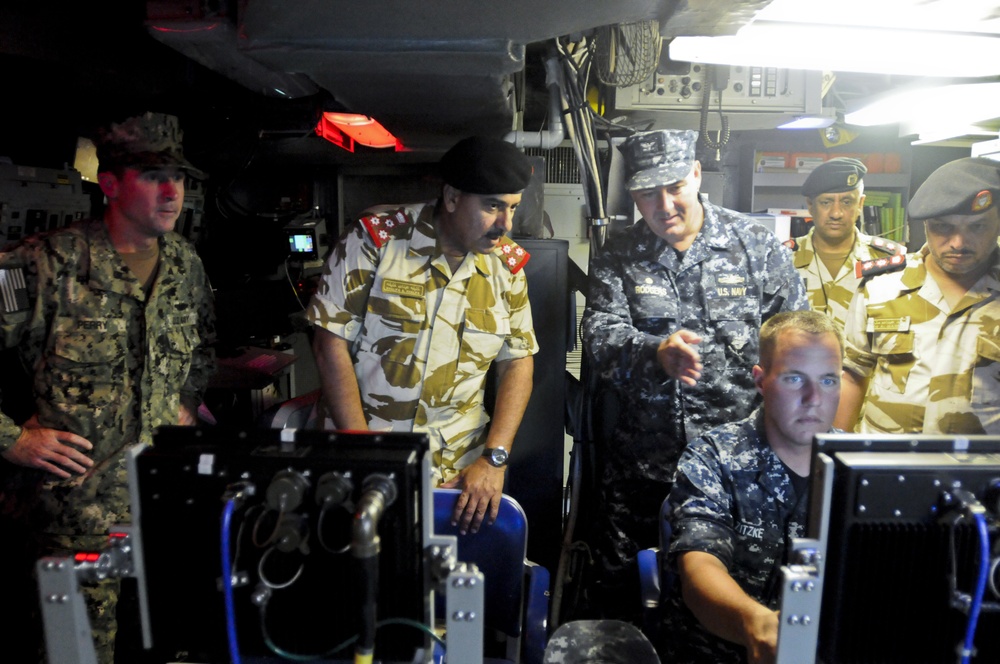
[482, 165]
[965, 186]
[834, 176]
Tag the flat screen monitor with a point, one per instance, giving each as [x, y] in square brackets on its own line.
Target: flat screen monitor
[903, 550]
[302, 245]
[297, 587]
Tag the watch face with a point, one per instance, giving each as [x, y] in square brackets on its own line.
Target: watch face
[497, 456]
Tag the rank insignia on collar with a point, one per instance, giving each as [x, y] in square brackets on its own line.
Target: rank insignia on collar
[879, 266]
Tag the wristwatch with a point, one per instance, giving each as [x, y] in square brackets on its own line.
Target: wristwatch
[496, 456]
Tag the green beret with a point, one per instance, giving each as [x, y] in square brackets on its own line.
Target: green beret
[834, 176]
[482, 165]
[151, 140]
[658, 158]
[965, 186]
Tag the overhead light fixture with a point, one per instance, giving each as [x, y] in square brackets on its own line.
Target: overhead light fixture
[909, 53]
[946, 134]
[346, 129]
[957, 104]
[809, 122]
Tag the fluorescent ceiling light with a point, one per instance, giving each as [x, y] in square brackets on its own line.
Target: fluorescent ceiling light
[975, 16]
[808, 122]
[858, 49]
[946, 132]
[951, 105]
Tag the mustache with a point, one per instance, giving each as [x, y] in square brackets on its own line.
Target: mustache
[496, 235]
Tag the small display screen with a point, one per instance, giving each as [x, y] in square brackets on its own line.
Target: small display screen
[302, 243]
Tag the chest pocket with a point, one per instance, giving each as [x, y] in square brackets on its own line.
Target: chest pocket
[392, 325]
[181, 339]
[735, 320]
[986, 372]
[895, 360]
[483, 336]
[86, 365]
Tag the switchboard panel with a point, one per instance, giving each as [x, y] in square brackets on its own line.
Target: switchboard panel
[682, 86]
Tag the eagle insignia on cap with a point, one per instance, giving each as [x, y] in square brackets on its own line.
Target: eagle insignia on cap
[852, 179]
[982, 201]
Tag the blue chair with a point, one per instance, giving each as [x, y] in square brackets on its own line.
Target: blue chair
[516, 602]
[656, 579]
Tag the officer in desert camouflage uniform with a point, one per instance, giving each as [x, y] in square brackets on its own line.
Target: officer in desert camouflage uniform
[673, 311]
[415, 303]
[923, 339]
[827, 255]
[741, 495]
[113, 319]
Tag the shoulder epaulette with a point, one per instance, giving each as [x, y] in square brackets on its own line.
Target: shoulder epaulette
[889, 247]
[791, 244]
[512, 254]
[381, 227]
[879, 266]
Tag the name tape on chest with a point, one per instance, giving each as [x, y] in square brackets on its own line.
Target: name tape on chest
[404, 288]
[896, 324]
[731, 285]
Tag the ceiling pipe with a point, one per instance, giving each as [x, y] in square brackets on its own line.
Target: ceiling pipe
[556, 133]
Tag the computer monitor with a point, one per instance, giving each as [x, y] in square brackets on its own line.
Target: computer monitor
[903, 547]
[298, 584]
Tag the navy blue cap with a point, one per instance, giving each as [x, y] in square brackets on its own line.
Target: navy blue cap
[658, 158]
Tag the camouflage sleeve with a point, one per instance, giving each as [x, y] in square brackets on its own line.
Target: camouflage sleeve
[700, 505]
[203, 356]
[341, 298]
[522, 341]
[618, 348]
[18, 282]
[858, 358]
[783, 287]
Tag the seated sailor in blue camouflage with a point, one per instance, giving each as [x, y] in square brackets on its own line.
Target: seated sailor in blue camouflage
[415, 303]
[114, 320]
[827, 256]
[741, 496]
[923, 335]
[673, 310]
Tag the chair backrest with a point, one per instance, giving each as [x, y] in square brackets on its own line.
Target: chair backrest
[295, 413]
[499, 551]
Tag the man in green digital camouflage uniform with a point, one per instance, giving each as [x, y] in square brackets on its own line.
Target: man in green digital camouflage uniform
[827, 256]
[923, 335]
[113, 320]
[415, 303]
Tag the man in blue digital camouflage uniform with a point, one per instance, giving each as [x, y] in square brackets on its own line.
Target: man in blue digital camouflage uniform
[672, 316]
[113, 318]
[741, 495]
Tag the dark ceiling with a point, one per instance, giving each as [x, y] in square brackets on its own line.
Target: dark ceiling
[429, 71]
[258, 72]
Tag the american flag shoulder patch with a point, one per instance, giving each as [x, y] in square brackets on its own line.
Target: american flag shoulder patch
[13, 290]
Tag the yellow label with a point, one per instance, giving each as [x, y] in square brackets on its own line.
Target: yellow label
[402, 288]
[900, 324]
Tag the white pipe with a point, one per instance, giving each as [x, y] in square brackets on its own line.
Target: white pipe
[554, 136]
